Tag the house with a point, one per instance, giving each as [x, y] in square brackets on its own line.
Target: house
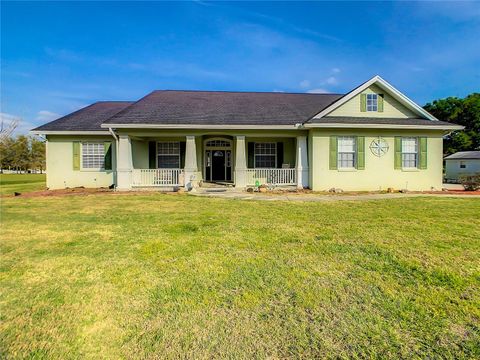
[371, 138]
[462, 163]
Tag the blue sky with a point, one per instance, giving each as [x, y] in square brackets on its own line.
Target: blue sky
[57, 57]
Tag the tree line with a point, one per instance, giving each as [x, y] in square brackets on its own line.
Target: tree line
[22, 153]
[460, 111]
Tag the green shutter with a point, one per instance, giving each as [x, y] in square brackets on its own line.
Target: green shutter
[108, 155]
[279, 154]
[152, 154]
[398, 153]
[360, 153]
[380, 103]
[333, 153]
[76, 155]
[422, 154]
[251, 155]
[363, 102]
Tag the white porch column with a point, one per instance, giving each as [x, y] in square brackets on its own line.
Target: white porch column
[124, 163]
[301, 161]
[191, 167]
[240, 162]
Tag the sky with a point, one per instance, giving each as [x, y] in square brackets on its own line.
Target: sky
[57, 57]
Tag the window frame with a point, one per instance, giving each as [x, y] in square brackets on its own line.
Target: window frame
[354, 152]
[416, 153]
[255, 155]
[157, 154]
[373, 102]
[82, 146]
[462, 164]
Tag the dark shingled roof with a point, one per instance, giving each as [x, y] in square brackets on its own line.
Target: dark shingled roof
[88, 118]
[380, 121]
[464, 155]
[223, 108]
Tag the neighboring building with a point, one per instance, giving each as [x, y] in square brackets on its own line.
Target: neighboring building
[371, 138]
[462, 163]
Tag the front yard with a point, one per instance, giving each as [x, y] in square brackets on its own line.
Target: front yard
[169, 276]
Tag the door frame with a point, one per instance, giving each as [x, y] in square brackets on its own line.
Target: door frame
[212, 147]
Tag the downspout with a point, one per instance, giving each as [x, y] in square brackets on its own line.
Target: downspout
[116, 153]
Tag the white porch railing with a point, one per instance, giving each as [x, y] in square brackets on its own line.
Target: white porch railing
[272, 176]
[157, 177]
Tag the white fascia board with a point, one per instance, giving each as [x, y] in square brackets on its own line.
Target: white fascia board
[377, 80]
[383, 126]
[57, 132]
[205, 127]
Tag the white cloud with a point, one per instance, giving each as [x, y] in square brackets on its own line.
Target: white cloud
[318, 91]
[332, 80]
[45, 115]
[305, 84]
[335, 70]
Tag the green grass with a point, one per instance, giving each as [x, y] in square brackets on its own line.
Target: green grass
[164, 276]
[10, 183]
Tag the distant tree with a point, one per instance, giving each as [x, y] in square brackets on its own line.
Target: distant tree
[6, 152]
[37, 154]
[21, 153]
[464, 112]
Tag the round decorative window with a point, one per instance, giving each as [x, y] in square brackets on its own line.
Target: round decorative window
[379, 147]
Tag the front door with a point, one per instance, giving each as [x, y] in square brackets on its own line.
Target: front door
[218, 160]
[218, 165]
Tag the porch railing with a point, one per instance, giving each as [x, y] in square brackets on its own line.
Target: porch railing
[271, 176]
[157, 177]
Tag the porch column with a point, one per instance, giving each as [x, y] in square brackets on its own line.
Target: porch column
[191, 167]
[301, 161]
[124, 163]
[240, 162]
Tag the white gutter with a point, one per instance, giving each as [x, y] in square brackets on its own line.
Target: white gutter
[116, 152]
[383, 126]
[76, 132]
[201, 127]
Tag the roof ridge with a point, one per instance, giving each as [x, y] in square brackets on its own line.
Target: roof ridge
[241, 92]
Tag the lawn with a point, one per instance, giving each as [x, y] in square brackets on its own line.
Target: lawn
[177, 276]
[10, 183]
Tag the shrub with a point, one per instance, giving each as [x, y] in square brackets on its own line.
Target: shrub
[470, 182]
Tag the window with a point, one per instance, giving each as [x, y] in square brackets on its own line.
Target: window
[346, 152]
[463, 164]
[372, 102]
[265, 155]
[168, 155]
[93, 155]
[409, 152]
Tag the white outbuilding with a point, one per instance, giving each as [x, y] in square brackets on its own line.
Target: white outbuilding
[462, 163]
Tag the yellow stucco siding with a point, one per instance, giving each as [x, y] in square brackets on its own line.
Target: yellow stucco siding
[379, 173]
[60, 173]
[392, 108]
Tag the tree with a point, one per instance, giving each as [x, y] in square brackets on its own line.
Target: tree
[464, 112]
[21, 153]
[6, 152]
[37, 154]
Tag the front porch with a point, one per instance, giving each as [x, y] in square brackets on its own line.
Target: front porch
[187, 161]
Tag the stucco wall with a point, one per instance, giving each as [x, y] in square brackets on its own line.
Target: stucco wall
[453, 170]
[391, 107]
[60, 173]
[379, 173]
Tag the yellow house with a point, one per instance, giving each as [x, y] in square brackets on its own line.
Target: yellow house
[371, 138]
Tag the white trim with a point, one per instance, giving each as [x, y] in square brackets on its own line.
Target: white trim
[55, 132]
[383, 126]
[206, 127]
[386, 86]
